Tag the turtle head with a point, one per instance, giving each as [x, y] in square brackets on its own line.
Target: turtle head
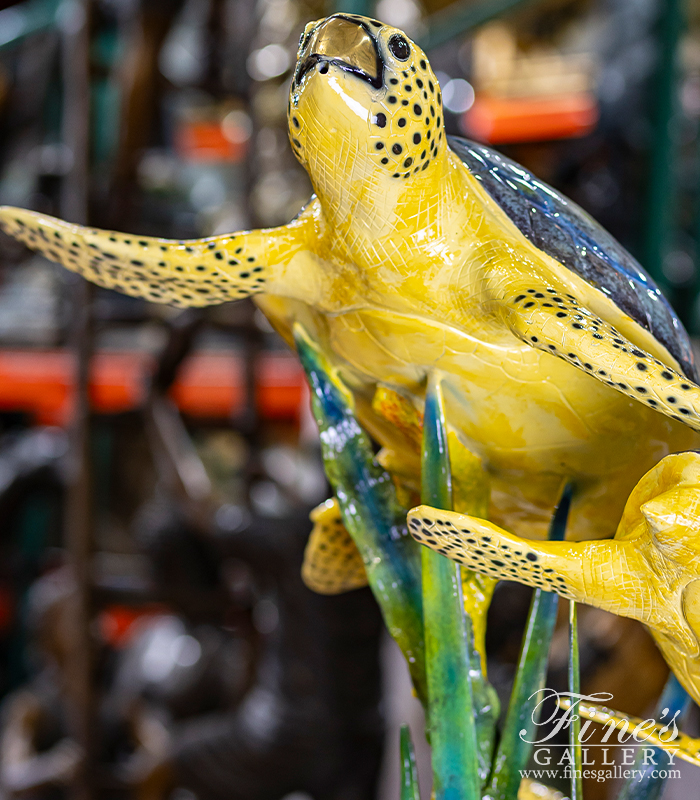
[364, 105]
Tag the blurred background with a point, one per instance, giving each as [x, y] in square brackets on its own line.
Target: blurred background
[157, 467]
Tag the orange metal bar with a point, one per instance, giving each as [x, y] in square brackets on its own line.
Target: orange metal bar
[507, 120]
[210, 385]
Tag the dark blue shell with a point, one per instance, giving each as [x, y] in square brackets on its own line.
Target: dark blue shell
[564, 231]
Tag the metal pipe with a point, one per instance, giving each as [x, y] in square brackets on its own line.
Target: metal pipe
[461, 17]
[661, 191]
[79, 501]
[26, 19]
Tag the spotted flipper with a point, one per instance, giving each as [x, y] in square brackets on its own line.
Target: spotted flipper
[558, 227]
[483, 547]
[557, 324]
[197, 272]
[611, 574]
[647, 572]
[680, 744]
[616, 575]
[332, 562]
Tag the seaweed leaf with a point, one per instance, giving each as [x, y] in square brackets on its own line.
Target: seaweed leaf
[450, 708]
[575, 691]
[514, 749]
[409, 772]
[470, 495]
[673, 701]
[371, 512]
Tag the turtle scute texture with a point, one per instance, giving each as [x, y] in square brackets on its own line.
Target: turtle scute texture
[559, 359]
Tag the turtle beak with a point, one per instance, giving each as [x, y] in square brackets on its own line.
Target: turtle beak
[346, 43]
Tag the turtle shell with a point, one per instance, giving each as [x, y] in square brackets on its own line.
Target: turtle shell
[568, 234]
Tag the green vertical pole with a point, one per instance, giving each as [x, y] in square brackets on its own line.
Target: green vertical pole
[363, 7]
[661, 189]
[462, 16]
[693, 310]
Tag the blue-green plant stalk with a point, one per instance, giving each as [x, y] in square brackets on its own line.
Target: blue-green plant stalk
[450, 707]
[575, 691]
[674, 701]
[514, 748]
[485, 702]
[409, 771]
[370, 510]
[471, 495]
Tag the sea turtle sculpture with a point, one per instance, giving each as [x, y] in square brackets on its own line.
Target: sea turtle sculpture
[560, 360]
[650, 571]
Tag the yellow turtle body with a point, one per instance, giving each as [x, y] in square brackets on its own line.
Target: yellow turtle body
[535, 420]
[404, 264]
[398, 294]
[650, 571]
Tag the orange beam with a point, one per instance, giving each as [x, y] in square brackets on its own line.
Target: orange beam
[209, 385]
[508, 120]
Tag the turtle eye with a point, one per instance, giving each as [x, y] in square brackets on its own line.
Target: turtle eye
[398, 47]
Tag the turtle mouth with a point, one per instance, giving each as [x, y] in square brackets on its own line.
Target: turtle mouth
[345, 43]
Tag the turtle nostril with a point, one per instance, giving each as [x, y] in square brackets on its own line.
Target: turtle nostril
[346, 43]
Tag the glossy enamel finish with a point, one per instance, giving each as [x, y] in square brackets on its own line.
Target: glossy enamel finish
[564, 231]
[409, 773]
[450, 709]
[371, 512]
[649, 571]
[403, 264]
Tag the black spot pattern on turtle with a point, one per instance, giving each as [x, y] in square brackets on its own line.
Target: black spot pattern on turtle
[494, 555]
[622, 364]
[332, 563]
[561, 229]
[398, 117]
[156, 269]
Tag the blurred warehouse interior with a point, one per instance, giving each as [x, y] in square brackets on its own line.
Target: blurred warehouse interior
[157, 467]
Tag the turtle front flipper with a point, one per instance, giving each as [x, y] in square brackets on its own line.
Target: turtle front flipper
[588, 572]
[197, 272]
[332, 562]
[558, 324]
[647, 572]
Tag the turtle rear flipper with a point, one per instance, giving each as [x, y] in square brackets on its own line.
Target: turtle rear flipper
[332, 562]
